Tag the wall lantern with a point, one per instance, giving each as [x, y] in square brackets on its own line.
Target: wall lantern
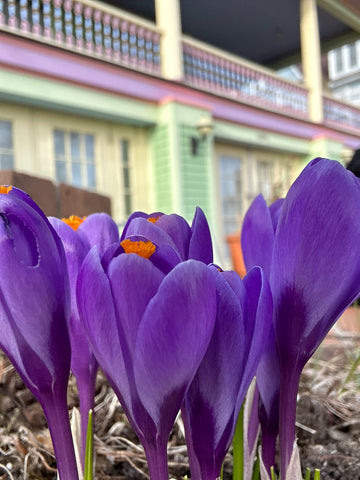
[205, 127]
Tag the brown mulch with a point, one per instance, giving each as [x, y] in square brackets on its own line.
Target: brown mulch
[328, 425]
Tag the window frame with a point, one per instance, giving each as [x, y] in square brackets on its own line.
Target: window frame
[5, 150]
[69, 159]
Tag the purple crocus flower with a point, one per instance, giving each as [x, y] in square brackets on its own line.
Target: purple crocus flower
[100, 230]
[78, 235]
[257, 239]
[34, 312]
[149, 332]
[314, 274]
[213, 402]
[174, 232]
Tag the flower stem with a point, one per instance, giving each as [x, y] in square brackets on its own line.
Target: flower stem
[86, 397]
[238, 448]
[287, 432]
[56, 412]
[156, 456]
[268, 445]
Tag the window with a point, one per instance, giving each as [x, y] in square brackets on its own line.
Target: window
[265, 180]
[126, 175]
[338, 53]
[75, 158]
[231, 193]
[6, 146]
[352, 55]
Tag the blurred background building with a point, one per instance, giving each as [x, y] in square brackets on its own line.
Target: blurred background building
[168, 104]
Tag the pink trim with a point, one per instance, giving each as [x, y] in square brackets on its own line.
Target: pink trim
[41, 60]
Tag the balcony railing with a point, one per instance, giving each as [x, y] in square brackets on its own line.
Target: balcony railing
[219, 72]
[341, 115]
[87, 27]
[110, 34]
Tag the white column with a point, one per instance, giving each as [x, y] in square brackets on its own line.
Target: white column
[311, 57]
[168, 19]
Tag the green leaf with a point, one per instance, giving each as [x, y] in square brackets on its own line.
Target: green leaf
[307, 475]
[256, 471]
[89, 450]
[238, 448]
[273, 474]
[317, 474]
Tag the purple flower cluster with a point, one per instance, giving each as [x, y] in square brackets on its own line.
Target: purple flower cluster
[172, 331]
[308, 246]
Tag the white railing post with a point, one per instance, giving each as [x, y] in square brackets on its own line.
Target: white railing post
[168, 20]
[311, 57]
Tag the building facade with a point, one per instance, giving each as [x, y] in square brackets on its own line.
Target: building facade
[104, 100]
[344, 72]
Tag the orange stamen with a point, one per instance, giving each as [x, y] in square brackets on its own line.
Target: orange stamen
[73, 221]
[5, 188]
[153, 219]
[141, 248]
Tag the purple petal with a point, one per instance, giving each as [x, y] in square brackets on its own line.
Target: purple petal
[316, 265]
[275, 211]
[142, 227]
[138, 215]
[257, 236]
[165, 257]
[98, 316]
[34, 295]
[134, 281]
[178, 230]
[200, 247]
[257, 327]
[172, 340]
[268, 377]
[76, 248]
[211, 399]
[100, 230]
[83, 363]
[110, 330]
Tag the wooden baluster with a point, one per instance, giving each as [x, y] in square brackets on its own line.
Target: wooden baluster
[216, 79]
[202, 69]
[13, 21]
[148, 49]
[124, 36]
[186, 60]
[79, 25]
[47, 18]
[2, 16]
[141, 46]
[24, 22]
[35, 17]
[98, 34]
[69, 25]
[238, 80]
[206, 70]
[156, 52]
[107, 35]
[227, 76]
[58, 21]
[133, 44]
[210, 75]
[116, 39]
[88, 23]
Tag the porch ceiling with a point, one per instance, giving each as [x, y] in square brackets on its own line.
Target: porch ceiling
[264, 31]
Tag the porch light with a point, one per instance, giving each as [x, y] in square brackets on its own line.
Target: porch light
[205, 127]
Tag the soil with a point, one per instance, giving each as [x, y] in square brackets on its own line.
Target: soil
[328, 426]
[328, 408]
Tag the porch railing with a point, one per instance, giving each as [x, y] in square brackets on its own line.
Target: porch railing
[341, 115]
[94, 29]
[87, 27]
[212, 69]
